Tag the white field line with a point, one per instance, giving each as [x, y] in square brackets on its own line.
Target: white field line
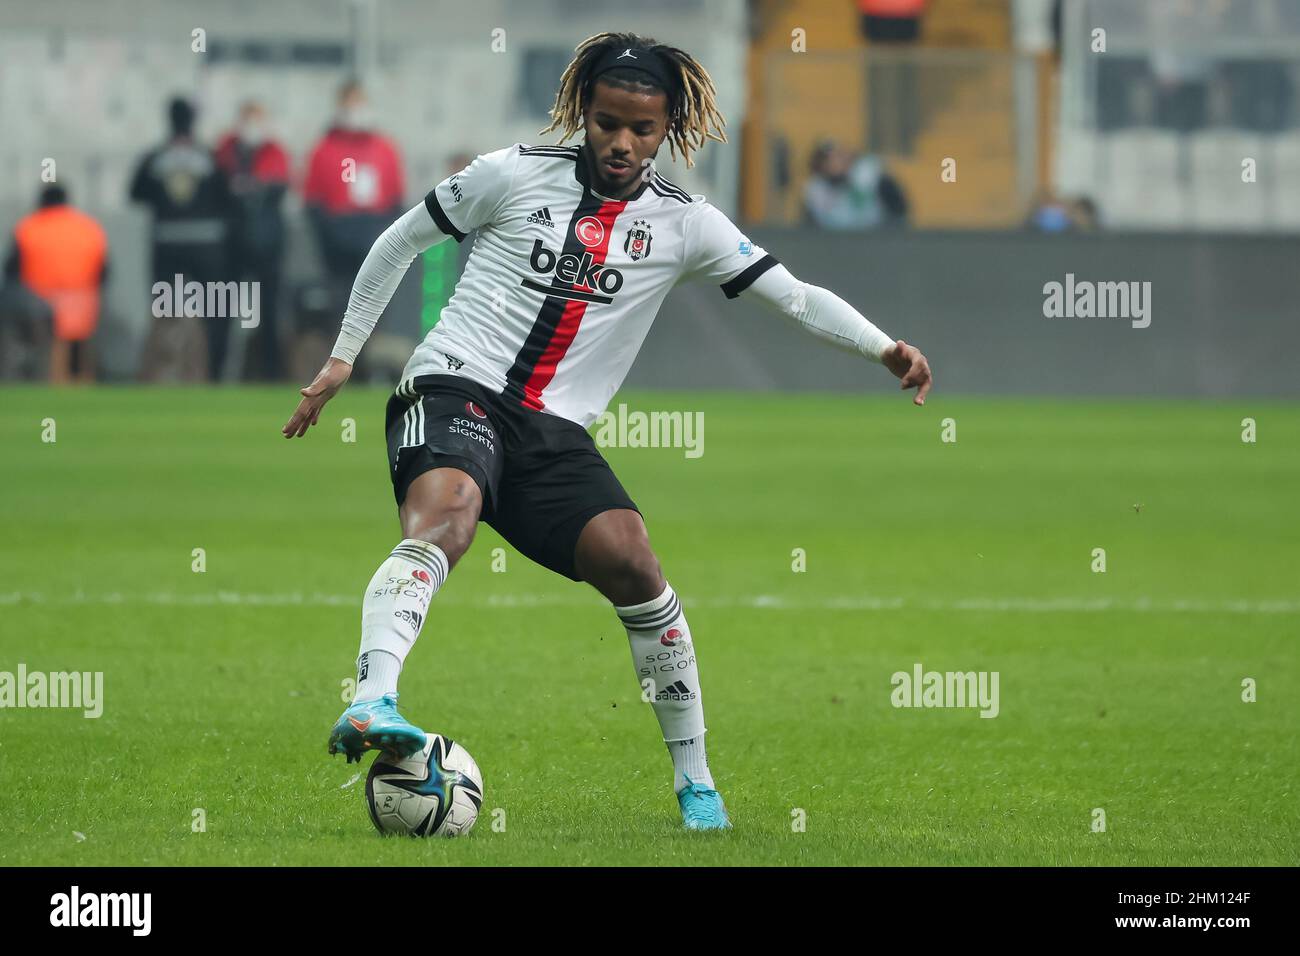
[759, 602]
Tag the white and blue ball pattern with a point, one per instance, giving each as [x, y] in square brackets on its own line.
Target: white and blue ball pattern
[436, 792]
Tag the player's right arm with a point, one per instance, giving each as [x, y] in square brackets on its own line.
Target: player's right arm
[380, 275]
[718, 252]
[455, 207]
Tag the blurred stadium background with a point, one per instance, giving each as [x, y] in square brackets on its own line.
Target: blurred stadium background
[1121, 165]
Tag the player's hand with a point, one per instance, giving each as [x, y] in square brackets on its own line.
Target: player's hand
[907, 362]
[323, 387]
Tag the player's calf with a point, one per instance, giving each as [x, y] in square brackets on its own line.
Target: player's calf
[614, 555]
[663, 654]
[442, 507]
[438, 516]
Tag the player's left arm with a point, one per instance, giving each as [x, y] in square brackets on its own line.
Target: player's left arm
[824, 314]
[717, 251]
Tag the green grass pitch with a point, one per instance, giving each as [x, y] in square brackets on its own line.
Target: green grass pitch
[1119, 691]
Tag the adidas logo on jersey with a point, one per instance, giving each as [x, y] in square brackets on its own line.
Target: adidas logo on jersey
[542, 217]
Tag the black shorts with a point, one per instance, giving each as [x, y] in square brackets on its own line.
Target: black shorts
[541, 477]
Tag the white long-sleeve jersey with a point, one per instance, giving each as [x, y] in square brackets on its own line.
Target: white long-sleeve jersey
[562, 284]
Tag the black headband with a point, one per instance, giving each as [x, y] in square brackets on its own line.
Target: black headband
[637, 58]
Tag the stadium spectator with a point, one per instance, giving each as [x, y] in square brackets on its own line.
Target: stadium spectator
[180, 182]
[354, 189]
[847, 192]
[1051, 214]
[256, 168]
[60, 255]
[1084, 212]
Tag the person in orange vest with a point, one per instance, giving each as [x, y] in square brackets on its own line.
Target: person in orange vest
[61, 255]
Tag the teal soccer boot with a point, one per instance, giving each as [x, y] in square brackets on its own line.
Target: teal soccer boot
[375, 725]
[702, 809]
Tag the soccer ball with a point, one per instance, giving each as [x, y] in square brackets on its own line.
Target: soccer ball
[436, 792]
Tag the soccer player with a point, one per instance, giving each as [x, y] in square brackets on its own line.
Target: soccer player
[576, 249]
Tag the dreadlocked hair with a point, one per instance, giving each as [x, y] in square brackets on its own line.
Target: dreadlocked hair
[693, 116]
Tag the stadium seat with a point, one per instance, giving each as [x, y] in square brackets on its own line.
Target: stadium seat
[1142, 183]
[1283, 195]
[1219, 197]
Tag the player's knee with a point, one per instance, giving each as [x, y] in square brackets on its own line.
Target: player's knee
[453, 539]
[450, 526]
[634, 576]
[442, 507]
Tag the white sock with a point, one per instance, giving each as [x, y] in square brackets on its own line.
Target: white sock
[377, 673]
[662, 651]
[690, 760]
[393, 612]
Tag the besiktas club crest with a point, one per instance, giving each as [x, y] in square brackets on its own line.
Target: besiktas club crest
[637, 243]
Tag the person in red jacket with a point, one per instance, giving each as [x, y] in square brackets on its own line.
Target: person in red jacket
[61, 255]
[354, 188]
[256, 168]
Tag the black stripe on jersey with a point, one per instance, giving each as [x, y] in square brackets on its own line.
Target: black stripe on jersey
[552, 308]
[733, 287]
[669, 194]
[435, 210]
[666, 187]
[569, 152]
[573, 295]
